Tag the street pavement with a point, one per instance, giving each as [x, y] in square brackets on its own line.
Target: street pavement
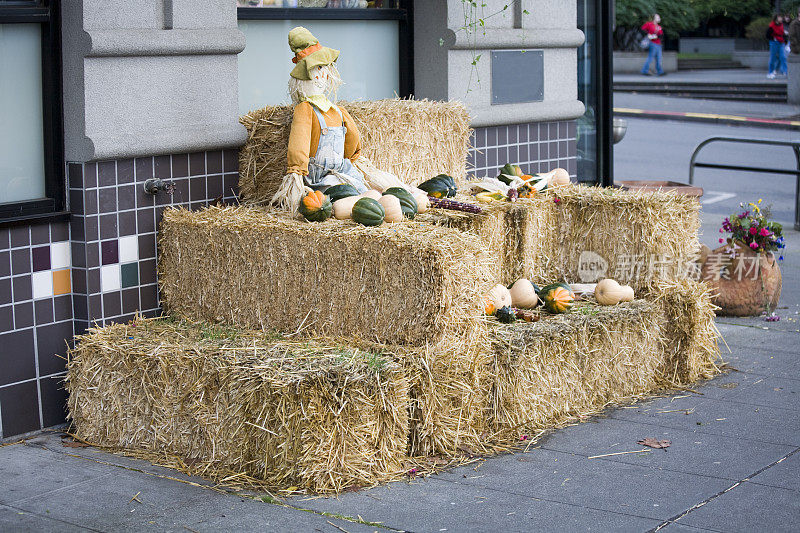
[720, 76]
[733, 465]
[658, 102]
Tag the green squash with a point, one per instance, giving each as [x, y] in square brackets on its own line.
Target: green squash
[441, 186]
[557, 297]
[315, 207]
[368, 212]
[506, 314]
[407, 202]
[337, 192]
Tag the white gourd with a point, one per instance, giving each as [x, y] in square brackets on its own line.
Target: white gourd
[627, 293]
[523, 294]
[391, 204]
[343, 208]
[372, 193]
[608, 292]
[500, 296]
[560, 177]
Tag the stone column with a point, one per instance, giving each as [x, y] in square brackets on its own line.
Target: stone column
[147, 77]
[793, 81]
[454, 48]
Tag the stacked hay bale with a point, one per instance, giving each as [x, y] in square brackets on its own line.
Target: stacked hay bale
[413, 139]
[416, 289]
[242, 406]
[572, 365]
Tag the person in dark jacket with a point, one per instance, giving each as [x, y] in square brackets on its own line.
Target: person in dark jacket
[654, 52]
[777, 41]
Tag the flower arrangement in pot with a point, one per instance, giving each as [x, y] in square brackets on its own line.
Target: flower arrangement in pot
[745, 270]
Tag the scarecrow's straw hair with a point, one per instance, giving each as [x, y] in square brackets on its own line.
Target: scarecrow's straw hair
[406, 283]
[241, 407]
[413, 139]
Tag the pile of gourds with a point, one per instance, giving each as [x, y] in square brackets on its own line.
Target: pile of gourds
[512, 184]
[506, 303]
[373, 208]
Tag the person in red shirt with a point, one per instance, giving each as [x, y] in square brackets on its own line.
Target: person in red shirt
[654, 51]
[777, 40]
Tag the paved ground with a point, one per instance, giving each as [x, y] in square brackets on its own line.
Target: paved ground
[721, 76]
[656, 102]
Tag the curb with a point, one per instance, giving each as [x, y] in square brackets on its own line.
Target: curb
[709, 117]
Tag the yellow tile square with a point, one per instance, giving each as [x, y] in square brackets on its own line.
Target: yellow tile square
[61, 282]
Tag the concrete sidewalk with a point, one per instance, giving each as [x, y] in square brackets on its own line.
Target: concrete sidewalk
[719, 76]
[733, 466]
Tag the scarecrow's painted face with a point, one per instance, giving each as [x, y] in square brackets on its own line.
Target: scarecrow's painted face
[320, 79]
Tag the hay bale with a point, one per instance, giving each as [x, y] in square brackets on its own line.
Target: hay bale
[642, 236]
[572, 365]
[405, 284]
[413, 139]
[690, 336]
[241, 407]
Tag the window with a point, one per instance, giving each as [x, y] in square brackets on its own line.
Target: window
[31, 154]
[375, 42]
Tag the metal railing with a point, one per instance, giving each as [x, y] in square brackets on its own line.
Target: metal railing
[795, 145]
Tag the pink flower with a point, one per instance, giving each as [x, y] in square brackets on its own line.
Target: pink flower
[753, 231]
[721, 239]
[764, 232]
[753, 245]
[523, 437]
[720, 230]
[557, 200]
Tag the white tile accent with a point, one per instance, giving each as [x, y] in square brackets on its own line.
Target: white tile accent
[60, 256]
[42, 284]
[110, 278]
[128, 249]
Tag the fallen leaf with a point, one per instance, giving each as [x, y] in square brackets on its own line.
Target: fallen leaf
[653, 443]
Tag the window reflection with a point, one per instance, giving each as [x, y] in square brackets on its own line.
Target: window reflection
[335, 4]
[587, 93]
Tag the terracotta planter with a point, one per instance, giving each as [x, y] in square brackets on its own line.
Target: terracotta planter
[750, 285]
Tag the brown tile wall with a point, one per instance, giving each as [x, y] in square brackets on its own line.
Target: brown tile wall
[56, 279]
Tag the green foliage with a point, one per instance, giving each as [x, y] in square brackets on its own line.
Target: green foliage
[757, 29]
[738, 10]
[687, 15]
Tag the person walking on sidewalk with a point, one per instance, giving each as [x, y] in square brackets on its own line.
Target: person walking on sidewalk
[777, 40]
[654, 50]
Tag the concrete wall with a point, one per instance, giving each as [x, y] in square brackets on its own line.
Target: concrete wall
[706, 45]
[632, 62]
[149, 77]
[757, 59]
[446, 66]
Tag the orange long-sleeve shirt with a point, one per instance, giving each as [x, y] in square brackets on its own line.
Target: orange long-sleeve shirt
[305, 128]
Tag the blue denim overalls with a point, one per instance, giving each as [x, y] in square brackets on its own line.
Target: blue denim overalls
[329, 167]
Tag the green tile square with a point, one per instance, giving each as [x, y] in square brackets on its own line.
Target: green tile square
[130, 275]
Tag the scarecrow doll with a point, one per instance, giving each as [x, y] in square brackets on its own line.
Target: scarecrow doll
[324, 142]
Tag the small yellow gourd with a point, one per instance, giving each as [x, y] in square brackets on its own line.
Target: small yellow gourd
[391, 204]
[608, 292]
[627, 293]
[499, 296]
[523, 294]
[343, 209]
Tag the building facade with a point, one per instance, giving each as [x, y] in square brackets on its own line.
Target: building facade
[98, 99]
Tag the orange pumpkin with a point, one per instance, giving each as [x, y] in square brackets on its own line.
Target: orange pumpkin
[489, 308]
